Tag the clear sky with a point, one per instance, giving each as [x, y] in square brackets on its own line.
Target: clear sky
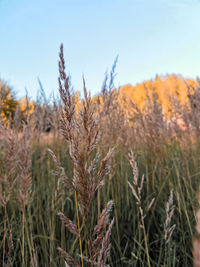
[150, 36]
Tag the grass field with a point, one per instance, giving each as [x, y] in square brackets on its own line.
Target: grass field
[103, 187]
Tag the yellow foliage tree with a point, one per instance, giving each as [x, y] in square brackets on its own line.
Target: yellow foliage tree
[26, 106]
[165, 88]
[8, 103]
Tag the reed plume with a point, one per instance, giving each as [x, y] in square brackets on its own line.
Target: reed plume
[8, 174]
[136, 188]
[81, 131]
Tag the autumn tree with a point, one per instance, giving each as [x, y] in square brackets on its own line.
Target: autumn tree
[8, 102]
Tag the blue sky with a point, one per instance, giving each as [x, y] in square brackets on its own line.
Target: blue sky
[150, 36]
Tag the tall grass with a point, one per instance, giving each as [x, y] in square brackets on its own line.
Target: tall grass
[57, 188]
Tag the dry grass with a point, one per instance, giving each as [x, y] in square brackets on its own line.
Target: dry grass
[82, 134]
[196, 242]
[64, 203]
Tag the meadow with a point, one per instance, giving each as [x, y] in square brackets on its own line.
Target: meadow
[110, 180]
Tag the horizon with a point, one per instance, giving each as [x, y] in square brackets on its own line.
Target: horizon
[51, 94]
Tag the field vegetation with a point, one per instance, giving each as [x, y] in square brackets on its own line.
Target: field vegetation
[109, 180]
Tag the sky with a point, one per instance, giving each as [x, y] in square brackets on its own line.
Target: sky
[149, 36]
